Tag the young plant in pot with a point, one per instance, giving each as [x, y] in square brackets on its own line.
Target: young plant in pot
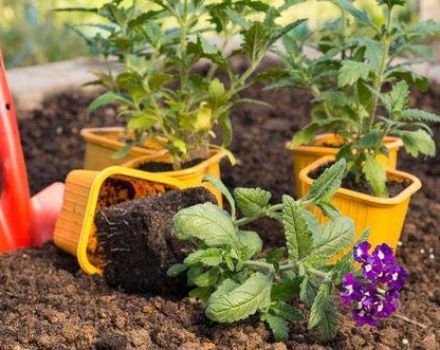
[235, 277]
[359, 80]
[159, 90]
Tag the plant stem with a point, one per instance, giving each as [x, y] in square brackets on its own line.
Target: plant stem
[266, 267]
[271, 209]
[378, 82]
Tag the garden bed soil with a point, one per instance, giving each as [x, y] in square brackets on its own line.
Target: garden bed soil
[349, 182]
[46, 302]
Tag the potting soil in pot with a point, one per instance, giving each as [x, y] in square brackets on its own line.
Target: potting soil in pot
[138, 242]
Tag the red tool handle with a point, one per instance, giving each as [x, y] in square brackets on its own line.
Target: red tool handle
[15, 210]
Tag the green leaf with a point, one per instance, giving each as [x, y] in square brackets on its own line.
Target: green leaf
[123, 151]
[399, 96]
[307, 291]
[333, 236]
[360, 16]
[209, 257]
[229, 304]
[217, 94]
[104, 100]
[207, 279]
[255, 40]
[417, 115]
[287, 311]
[278, 325]
[305, 135]
[417, 142]
[324, 187]
[373, 50]
[176, 269]
[252, 201]
[323, 313]
[352, 71]
[425, 29]
[297, 229]
[370, 140]
[218, 184]
[226, 126]
[206, 222]
[419, 81]
[142, 120]
[376, 176]
[287, 289]
[251, 243]
[202, 293]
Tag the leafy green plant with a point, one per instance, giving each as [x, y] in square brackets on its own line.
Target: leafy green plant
[237, 278]
[158, 92]
[360, 85]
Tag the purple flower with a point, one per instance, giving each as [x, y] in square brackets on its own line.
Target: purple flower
[360, 251]
[352, 289]
[375, 296]
[396, 277]
[384, 253]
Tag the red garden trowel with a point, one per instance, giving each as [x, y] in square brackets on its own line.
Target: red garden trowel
[24, 221]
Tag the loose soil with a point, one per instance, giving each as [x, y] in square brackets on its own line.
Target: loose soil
[46, 302]
[139, 245]
[349, 182]
[156, 167]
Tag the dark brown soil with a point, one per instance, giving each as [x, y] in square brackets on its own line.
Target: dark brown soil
[139, 245]
[156, 167]
[349, 182]
[46, 302]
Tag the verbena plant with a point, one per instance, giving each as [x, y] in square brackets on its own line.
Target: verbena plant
[360, 85]
[236, 278]
[158, 92]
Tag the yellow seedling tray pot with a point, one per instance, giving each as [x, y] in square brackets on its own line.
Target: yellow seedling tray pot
[306, 155]
[86, 192]
[192, 176]
[384, 217]
[102, 143]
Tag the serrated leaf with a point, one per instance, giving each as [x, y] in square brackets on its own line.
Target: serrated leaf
[373, 50]
[278, 325]
[231, 305]
[419, 81]
[416, 115]
[370, 140]
[206, 222]
[251, 244]
[425, 29]
[297, 229]
[176, 269]
[417, 142]
[255, 40]
[252, 201]
[323, 313]
[324, 187]
[307, 291]
[287, 289]
[376, 176]
[333, 236]
[287, 311]
[352, 71]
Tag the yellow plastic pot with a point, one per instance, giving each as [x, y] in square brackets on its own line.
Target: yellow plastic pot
[192, 176]
[306, 155]
[383, 216]
[102, 143]
[86, 192]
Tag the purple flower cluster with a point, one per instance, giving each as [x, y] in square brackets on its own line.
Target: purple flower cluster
[376, 295]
